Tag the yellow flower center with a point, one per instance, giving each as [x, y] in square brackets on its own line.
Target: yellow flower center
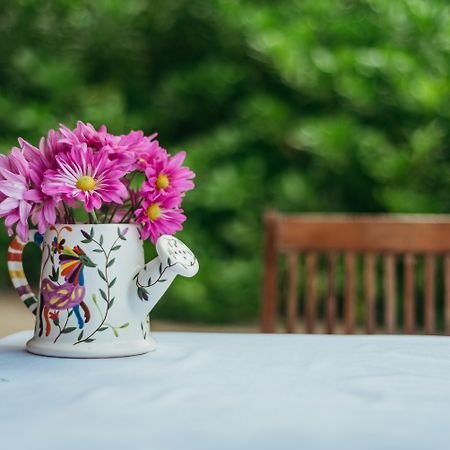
[153, 211]
[86, 183]
[162, 181]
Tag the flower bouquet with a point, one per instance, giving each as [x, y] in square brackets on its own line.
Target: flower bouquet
[93, 198]
[88, 175]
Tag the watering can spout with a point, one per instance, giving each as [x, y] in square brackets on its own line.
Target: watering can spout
[174, 258]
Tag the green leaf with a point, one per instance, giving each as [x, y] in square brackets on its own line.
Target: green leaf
[89, 340]
[80, 336]
[149, 281]
[91, 232]
[103, 294]
[137, 178]
[162, 280]
[102, 328]
[116, 247]
[69, 330]
[102, 275]
[169, 262]
[70, 313]
[56, 322]
[113, 282]
[97, 250]
[111, 262]
[116, 334]
[119, 233]
[111, 302]
[160, 268]
[101, 239]
[125, 325]
[88, 238]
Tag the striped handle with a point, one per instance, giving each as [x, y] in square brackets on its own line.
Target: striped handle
[15, 268]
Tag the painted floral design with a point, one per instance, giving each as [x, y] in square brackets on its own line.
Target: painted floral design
[178, 254]
[69, 295]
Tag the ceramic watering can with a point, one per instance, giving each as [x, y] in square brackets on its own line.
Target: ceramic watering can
[96, 291]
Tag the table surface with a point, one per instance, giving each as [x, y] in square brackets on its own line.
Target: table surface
[232, 391]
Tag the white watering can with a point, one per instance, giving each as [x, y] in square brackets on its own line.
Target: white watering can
[96, 291]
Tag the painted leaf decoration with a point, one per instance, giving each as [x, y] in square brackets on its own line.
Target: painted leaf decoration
[86, 236]
[110, 263]
[102, 275]
[119, 233]
[69, 330]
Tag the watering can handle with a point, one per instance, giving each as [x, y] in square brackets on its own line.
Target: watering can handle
[16, 272]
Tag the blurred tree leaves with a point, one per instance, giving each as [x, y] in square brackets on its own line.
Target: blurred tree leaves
[301, 105]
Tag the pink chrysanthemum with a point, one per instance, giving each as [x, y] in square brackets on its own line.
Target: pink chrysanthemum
[160, 214]
[123, 149]
[14, 185]
[167, 174]
[147, 152]
[84, 175]
[45, 206]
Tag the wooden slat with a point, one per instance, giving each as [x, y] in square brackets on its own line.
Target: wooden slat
[370, 291]
[397, 234]
[429, 294]
[311, 291]
[447, 293]
[292, 293]
[350, 289]
[330, 313]
[409, 298]
[270, 281]
[390, 317]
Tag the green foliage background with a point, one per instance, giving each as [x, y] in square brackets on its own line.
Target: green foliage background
[301, 105]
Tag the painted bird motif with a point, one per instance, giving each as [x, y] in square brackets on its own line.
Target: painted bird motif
[71, 293]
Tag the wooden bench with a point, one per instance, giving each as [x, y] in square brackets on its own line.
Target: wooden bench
[391, 238]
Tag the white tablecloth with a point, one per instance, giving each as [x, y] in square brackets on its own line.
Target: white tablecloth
[232, 391]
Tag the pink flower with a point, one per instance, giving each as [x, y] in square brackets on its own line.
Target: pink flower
[84, 175]
[120, 148]
[14, 185]
[167, 174]
[160, 214]
[45, 209]
[147, 152]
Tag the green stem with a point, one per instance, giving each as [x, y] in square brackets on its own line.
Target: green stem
[130, 212]
[63, 328]
[68, 214]
[113, 213]
[93, 217]
[108, 294]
